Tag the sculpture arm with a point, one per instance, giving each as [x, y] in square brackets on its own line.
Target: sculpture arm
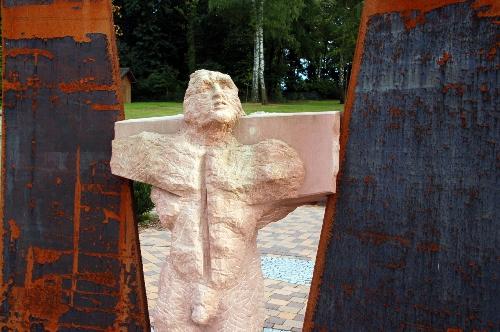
[274, 213]
[168, 206]
[277, 173]
[150, 158]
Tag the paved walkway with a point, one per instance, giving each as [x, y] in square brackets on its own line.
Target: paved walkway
[288, 250]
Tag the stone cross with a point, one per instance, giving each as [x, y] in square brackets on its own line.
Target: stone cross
[218, 177]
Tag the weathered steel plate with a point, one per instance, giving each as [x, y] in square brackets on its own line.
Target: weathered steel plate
[70, 258]
[411, 241]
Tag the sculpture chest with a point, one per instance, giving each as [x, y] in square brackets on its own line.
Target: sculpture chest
[214, 213]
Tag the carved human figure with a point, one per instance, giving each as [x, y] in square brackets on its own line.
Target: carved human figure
[214, 194]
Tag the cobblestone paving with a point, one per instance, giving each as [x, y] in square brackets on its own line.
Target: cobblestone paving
[287, 242]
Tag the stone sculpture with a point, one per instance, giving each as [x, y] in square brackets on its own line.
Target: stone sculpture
[214, 194]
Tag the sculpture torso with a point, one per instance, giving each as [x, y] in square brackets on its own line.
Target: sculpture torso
[214, 199]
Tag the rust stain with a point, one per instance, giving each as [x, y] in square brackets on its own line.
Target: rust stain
[15, 232]
[60, 18]
[454, 329]
[102, 107]
[396, 265]
[369, 180]
[48, 256]
[377, 238]
[58, 181]
[411, 21]
[492, 8]
[85, 84]
[13, 86]
[108, 214]
[444, 59]
[412, 12]
[102, 278]
[348, 289]
[35, 52]
[396, 112]
[76, 224]
[54, 99]
[491, 53]
[32, 82]
[319, 265]
[43, 296]
[428, 247]
[98, 188]
[463, 120]
[459, 88]
[126, 213]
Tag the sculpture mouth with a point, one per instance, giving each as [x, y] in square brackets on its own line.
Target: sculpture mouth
[219, 104]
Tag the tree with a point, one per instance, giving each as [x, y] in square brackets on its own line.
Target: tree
[189, 11]
[153, 37]
[345, 17]
[320, 60]
[274, 16]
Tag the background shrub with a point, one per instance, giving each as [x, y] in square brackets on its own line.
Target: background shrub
[142, 200]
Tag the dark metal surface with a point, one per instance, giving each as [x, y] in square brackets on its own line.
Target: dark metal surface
[412, 240]
[70, 258]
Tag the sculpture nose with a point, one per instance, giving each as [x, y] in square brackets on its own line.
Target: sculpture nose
[217, 90]
[218, 96]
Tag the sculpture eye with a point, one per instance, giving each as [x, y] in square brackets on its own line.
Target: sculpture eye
[225, 85]
[205, 87]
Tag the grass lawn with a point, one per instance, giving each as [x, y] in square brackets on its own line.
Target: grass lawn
[149, 109]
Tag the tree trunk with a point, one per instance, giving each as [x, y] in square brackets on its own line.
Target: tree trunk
[255, 74]
[190, 35]
[263, 93]
[342, 80]
[254, 97]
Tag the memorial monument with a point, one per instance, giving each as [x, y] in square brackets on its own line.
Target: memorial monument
[214, 194]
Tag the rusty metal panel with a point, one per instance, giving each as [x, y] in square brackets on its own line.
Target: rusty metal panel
[411, 241]
[70, 258]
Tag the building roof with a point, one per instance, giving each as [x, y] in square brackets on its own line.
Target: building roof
[125, 71]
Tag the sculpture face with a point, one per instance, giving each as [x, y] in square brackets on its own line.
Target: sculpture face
[211, 100]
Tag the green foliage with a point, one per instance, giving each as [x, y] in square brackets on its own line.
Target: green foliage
[142, 200]
[308, 44]
[161, 85]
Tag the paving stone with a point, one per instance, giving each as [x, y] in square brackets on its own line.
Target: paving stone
[281, 296]
[278, 302]
[286, 315]
[271, 313]
[289, 324]
[276, 320]
[287, 308]
[271, 306]
[268, 324]
[275, 286]
[278, 327]
[299, 317]
[296, 305]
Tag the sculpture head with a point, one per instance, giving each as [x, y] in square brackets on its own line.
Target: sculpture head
[211, 101]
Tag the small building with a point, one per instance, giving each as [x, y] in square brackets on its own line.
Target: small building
[127, 78]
